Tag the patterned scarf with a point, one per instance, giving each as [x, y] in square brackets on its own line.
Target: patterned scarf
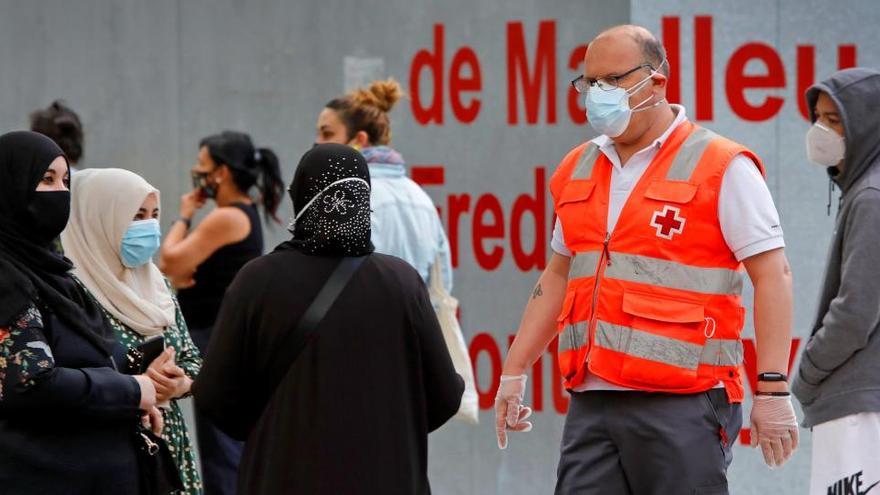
[383, 154]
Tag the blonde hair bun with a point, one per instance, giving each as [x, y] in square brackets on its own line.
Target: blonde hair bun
[380, 94]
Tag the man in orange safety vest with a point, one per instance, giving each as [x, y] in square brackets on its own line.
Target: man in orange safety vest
[658, 221]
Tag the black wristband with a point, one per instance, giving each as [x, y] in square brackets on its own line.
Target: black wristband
[773, 394]
[772, 377]
[186, 221]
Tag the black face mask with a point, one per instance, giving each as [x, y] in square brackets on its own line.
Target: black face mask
[48, 213]
[200, 182]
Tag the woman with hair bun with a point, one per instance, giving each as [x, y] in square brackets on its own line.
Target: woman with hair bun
[404, 220]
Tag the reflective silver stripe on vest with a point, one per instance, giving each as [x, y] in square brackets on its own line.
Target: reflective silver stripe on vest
[660, 273]
[645, 345]
[689, 154]
[584, 264]
[584, 169]
[722, 352]
[573, 337]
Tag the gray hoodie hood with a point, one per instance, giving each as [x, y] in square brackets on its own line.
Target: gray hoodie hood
[856, 92]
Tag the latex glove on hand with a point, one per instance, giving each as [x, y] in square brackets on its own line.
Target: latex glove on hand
[774, 428]
[510, 414]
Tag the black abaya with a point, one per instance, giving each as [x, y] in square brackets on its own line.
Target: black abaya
[353, 414]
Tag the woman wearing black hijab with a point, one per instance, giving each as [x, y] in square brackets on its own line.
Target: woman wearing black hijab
[352, 412]
[67, 416]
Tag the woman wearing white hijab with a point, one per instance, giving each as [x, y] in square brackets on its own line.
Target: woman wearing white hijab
[111, 237]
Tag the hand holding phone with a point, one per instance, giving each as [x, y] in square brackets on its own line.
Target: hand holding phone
[169, 379]
[148, 351]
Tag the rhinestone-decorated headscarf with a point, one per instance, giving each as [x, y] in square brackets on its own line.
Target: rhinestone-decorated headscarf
[331, 202]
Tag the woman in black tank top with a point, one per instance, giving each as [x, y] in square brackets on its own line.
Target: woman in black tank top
[202, 262]
[201, 301]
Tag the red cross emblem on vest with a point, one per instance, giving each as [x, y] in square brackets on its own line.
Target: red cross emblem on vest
[668, 222]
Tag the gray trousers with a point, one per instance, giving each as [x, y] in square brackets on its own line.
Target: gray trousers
[642, 443]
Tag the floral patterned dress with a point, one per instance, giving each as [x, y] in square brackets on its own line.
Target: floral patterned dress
[175, 432]
[24, 354]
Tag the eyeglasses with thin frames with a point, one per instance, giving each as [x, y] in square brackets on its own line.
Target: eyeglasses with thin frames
[581, 84]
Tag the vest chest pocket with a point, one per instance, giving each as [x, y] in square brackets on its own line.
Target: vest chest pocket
[672, 191]
[573, 209]
[663, 344]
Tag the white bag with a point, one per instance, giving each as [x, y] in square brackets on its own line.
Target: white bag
[446, 307]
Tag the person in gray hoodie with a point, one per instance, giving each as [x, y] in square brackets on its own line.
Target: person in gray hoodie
[838, 380]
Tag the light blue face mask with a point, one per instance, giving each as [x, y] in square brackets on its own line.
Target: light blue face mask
[140, 242]
[608, 111]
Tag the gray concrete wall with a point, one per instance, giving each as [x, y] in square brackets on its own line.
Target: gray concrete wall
[151, 78]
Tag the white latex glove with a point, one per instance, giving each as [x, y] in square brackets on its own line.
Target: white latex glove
[510, 414]
[774, 428]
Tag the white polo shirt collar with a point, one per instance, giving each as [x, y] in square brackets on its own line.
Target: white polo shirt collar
[606, 144]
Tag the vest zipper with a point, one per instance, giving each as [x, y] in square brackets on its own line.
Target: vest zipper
[604, 261]
[605, 249]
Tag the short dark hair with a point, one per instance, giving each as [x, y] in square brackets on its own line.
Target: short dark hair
[653, 52]
[62, 125]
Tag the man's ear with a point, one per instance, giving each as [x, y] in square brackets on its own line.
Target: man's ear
[659, 83]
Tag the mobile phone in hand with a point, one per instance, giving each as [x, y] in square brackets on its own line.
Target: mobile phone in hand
[149, 350]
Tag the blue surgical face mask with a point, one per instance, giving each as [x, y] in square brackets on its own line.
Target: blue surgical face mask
[609, 112]
[140, 242]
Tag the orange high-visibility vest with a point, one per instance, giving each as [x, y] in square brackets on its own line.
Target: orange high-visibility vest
[655, 304]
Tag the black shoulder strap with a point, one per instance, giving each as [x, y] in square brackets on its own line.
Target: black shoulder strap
[294, 342]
